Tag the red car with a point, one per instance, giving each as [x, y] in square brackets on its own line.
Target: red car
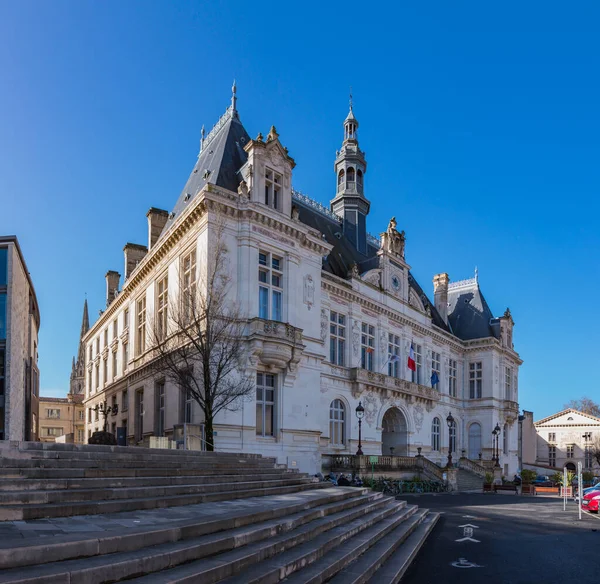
[590, 501]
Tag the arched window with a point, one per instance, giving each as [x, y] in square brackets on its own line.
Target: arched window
[474, 441]
[350, 177]
[337, 422]
[435, 434]
[505, 439]
[341, 177]
[359, 177]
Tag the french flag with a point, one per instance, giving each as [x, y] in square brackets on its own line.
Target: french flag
[411, 359]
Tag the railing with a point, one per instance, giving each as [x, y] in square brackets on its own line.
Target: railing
[274, 329]
[379, 463]
[381, 380]
[471, 466]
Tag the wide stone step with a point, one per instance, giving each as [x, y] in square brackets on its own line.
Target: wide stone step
[362, 568]
[280, 555]
[393, 570]
[127, 564]
[112, 494]
[321, 559]
[22, 484]
[20, 512]
[308, 506]
[108, 463]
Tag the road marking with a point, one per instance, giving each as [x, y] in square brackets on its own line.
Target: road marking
[464, 563]
[591, 514]
[467, 539]
[468, 534]
[470, 525]
[469, 517]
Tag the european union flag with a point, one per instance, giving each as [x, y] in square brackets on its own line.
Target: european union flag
[434, 379]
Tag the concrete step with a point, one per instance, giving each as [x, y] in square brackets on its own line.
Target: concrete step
[28, 512]
[112, 494]
[129, 563]
[358, 559]
[319, 503]
[393, 570]
[23, 484]
[278, 557]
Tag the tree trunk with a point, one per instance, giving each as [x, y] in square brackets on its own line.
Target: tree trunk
[209, 432]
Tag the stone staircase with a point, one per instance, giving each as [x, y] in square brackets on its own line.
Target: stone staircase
[99, 514]
[469, 481]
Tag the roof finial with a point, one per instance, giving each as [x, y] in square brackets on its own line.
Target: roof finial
[202, 137]
[351, 98]
[476, 274]
[233, 96]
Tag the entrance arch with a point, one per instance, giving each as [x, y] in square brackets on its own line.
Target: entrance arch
[570, 466]
[394, 433]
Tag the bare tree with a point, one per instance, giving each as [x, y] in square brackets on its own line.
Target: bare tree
[585, 405]
[199, 337]
[595, 450]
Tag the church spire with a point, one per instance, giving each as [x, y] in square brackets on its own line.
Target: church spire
[85, 321]
[77, 382]
[350, 167]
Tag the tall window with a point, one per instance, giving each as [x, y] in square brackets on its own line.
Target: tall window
[124, 401]
[188, 284]
[160, 408]
[162, 301]
[452, 377]
[105, 337]
[552, 455]
[80, 435]
[270, 286]
[474, 441]
[435, 434]
[53, 414]
[189, 405]
[570, 451]
[393, 355]
[337, 421]
[367, 346]
[436, 368]
[97, 376]
[417, 375]
[141, 326]
[551, 436]
[452, 437]
[104, 371]
[505, 439]
[81, 416]
[272, 189]
[475, 380]
[507, 383]
[337, 338]
[125, 356]
[52, 432]
[265, 404]
[115, 329]
[139, 414]
[126, 319]
[114, 364]
[589, 459]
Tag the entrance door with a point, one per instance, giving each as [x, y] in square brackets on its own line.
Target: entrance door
[394, 434]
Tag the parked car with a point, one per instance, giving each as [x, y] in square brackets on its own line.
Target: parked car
[542, 481]
[591, 500]
[596, 487]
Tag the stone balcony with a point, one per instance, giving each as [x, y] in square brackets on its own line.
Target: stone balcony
[363, 380]
[276, 344]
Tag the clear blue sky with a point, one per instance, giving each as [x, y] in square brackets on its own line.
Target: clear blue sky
[480, 122]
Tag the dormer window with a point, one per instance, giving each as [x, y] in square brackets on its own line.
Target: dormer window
[273, 182]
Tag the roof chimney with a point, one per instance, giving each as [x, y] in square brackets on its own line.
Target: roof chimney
[112, 286]
[134, 254]
[157, 218]
[440, 293]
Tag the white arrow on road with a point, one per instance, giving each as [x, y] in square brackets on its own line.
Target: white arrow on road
[468, 534]
[469, 525]
[468, 539]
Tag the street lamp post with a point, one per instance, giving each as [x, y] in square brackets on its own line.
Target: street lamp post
[360, 412]
[450, 422]
[105, 409]
[497, 433]
[494, 445]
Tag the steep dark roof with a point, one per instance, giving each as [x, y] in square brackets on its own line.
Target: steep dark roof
[343, 255]
[221, 158]
[468, 313]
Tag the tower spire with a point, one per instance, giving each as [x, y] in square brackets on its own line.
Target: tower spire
[85, 321]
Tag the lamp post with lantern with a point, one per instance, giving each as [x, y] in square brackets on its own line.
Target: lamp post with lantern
[360, 412]
[451, 437]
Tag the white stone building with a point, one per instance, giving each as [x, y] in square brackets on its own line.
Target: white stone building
[19, 326]
[563, 440]
[332, 312]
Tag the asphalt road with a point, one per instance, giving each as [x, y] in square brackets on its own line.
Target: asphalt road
[519, 540]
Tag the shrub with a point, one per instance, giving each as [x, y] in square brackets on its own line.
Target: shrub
[488, 478]
[587, 476]
[104, 438]
[528, 476]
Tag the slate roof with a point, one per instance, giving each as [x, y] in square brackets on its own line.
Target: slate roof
[219, 161]
[468, 313]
